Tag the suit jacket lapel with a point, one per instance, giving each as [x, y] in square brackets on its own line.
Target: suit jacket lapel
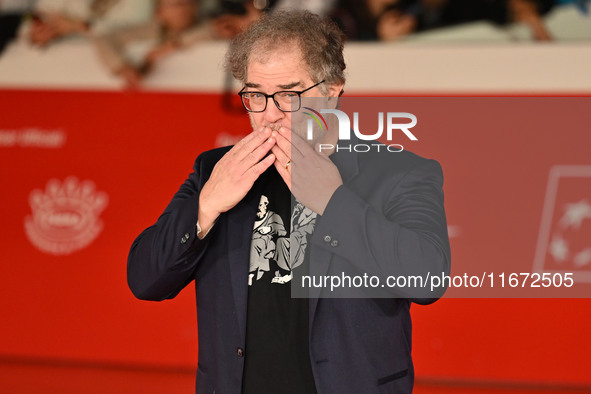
[240, 224]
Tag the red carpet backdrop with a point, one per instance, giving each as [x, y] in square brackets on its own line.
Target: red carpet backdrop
[84, 172]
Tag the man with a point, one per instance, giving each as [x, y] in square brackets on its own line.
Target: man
[253, 336]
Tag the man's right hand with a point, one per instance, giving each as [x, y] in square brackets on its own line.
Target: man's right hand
[233, 176]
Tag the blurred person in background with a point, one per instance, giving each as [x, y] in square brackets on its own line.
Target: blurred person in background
[320, 7]
[393, 19]
[12, 13]
[55, 19]
[440, 13]
[406, 17]
[380, 19]
[175, 25]
[529, 12]
[429, 14]
[233, 16]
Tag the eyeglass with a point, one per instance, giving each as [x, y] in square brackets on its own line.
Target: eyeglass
[285, 100]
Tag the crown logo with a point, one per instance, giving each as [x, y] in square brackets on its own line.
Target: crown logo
[65, 217]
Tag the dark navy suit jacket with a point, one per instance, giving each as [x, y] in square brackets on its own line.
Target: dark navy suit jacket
[388, 218]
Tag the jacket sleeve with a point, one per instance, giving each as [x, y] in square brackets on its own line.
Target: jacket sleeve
[163, 258]
[407, 236]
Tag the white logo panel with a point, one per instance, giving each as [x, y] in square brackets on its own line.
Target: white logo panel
[564, 241]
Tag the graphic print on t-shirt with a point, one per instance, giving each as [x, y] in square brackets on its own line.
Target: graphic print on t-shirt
[302, 226]
[269, 251]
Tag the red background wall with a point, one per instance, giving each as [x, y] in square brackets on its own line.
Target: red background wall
[139, 147]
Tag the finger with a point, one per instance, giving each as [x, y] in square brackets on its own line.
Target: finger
[255, 171]
[282, 148]
[282, 157]
[299, 146]
[284, 172]
[283, 141]
[323, 152]
[245, 140]
[285, 132]
[294, 152]
[255, 156]
[251, 142]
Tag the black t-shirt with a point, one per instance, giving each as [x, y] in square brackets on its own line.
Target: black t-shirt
[277, 356]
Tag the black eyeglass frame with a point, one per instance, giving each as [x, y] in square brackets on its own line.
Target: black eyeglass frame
[299, 93]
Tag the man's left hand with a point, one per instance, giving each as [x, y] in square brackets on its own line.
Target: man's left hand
[310, 175]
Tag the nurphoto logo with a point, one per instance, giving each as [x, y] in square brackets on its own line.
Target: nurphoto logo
[345, 130]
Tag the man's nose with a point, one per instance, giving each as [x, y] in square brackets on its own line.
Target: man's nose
[272, 112]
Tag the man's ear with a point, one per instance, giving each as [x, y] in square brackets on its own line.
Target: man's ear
[335, 89]
[333, 93]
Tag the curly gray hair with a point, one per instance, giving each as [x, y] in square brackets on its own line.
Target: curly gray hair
[319, 39]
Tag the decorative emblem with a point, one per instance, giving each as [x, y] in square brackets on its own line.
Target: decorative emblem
[65, 217]
[560, 248]
[564, 241]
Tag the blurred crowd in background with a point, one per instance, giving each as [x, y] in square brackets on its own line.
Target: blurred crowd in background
[171, 25]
